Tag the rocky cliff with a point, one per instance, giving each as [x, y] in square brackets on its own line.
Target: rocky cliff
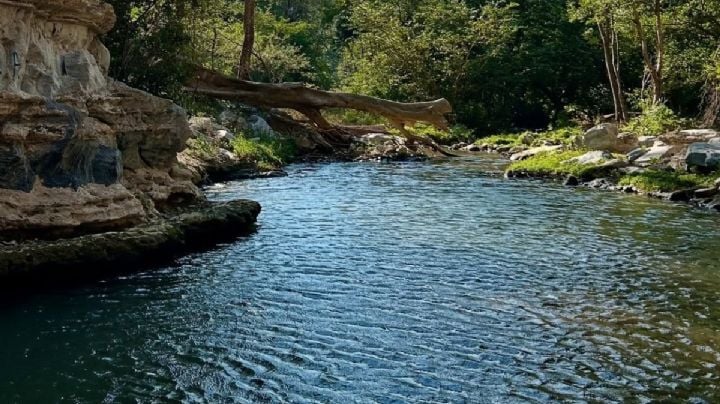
[78, 151]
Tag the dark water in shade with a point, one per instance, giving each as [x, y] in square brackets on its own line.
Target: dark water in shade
[420, 282]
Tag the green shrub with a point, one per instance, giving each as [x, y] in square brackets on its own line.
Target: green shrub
[456, 134]
[654, 120]
[667, 181]
[505, 139]
[203, 147]
[267, 152]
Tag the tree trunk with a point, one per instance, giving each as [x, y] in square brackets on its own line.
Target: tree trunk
[654, 69]
[248, 41]
[612, 68]
[310, 102]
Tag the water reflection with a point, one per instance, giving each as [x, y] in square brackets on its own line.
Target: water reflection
[435, 282]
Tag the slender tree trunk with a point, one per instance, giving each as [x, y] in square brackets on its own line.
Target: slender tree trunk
[612, 69]
[249, 40]
[654, 69]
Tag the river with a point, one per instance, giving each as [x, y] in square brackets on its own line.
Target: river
[393, 283]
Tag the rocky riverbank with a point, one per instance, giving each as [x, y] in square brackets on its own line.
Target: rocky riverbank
[89, 170]
[678, 166]
[98, 254]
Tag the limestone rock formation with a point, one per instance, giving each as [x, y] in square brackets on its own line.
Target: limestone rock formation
[78, 150]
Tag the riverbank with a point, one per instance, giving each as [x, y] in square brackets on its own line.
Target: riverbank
[97, 255]
[678, 166]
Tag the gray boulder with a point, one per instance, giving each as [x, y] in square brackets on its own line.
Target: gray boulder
[635, 154]
[647, 141]
[260, 126]
[656, 154]
[703, 155]
[601, 137]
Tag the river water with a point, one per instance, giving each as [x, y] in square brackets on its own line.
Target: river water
[390, 283]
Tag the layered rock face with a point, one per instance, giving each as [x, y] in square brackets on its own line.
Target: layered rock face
[78, 150]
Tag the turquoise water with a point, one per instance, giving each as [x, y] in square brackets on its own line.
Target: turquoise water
[417, 282]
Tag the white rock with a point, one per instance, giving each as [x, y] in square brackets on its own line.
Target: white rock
[647, 141]
[593, 157]
[601, 137]
[535, 150]
[656, 153]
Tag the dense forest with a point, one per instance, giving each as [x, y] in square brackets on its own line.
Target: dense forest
[504, 65]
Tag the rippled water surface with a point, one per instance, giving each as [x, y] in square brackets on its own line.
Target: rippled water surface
[418, 282]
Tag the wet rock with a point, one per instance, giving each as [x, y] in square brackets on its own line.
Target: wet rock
[571, 181]
[472, 148]
[534, 151]
[104, 251]
[703, 155]
[706, 192]
[599, 183]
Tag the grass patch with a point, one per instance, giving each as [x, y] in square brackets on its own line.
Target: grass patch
[267, 152]
[667, 181]
[564, 136]
[456, 134]
[203, 147]
[552, 164]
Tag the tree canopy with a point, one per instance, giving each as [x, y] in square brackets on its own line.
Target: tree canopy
[504, 65]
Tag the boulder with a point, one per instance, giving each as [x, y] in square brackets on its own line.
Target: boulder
[233, 119]
[656, 154]
[626, 142]
[601, 137]
[687, 137]
[636, 154]
[593, 157]
[534, 151]
[571, 181]
[703, 155]
[647, 141]
[472, 148]
[376, 139]
[259, 125]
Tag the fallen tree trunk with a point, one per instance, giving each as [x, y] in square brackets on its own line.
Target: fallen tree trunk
[310, 102]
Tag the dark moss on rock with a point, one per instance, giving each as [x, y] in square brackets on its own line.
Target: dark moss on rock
[97, 254]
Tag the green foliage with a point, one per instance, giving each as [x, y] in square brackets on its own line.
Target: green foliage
[267, 152]
[203, 147]
[506, 139]
[654, 120]
[456, 134]
[553, 164]
[564, 136]
[667, 181]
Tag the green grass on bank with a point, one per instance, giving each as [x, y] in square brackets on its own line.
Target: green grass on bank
[267, 152]
[667, 181]
[553, 164]
[564, 136]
